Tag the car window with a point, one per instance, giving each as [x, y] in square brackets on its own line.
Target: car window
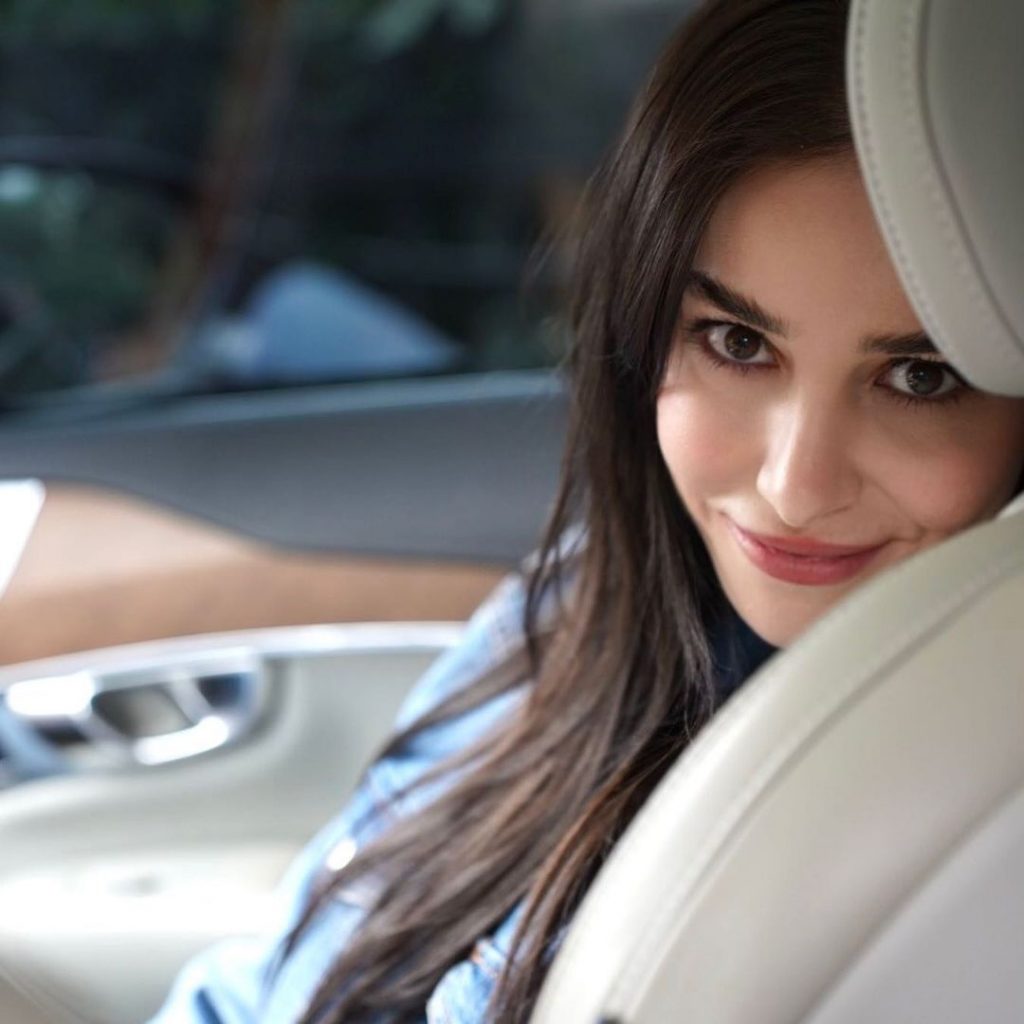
[202, 195]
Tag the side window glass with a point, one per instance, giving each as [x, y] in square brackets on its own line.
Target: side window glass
[203, 195]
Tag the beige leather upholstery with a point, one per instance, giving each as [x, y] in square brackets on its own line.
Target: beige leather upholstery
[856, 795]
[937, 102]
[110, 879]
[845, 843]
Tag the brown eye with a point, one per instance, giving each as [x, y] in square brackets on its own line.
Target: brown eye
[742, 344]
[739, 344]
[923, 378]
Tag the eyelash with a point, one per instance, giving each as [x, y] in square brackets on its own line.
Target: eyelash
[698, 330]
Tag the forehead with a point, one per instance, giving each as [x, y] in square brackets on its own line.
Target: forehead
[801, 240]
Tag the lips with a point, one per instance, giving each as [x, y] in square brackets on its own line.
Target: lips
[804, 561]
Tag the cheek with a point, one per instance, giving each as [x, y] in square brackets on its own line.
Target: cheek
[961, 483]
[706, 443]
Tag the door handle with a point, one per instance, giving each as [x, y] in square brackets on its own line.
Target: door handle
[144, 716]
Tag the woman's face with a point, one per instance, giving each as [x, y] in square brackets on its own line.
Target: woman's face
[812, 432]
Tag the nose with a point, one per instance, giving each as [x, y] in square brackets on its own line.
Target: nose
[808, 470]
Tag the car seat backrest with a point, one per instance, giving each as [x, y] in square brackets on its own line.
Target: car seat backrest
[822, 852]
[845, 842]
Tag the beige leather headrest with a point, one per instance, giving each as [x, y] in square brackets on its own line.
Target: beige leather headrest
[936, 90]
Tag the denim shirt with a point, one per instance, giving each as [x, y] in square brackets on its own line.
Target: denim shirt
[235, 982]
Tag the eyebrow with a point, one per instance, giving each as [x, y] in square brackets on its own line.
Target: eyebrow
[744, 308]
[740, 306]
[915, 344]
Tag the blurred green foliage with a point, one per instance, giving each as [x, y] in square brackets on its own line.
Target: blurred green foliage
[388, 26]
[423, 147]
[392, 25]
[78, 262]
[122, 20]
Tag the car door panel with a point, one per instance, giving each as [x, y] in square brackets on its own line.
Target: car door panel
[376, 509]
[113, 873]
[104, 569]
[459, 468]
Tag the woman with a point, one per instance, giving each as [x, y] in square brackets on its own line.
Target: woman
[758, 425]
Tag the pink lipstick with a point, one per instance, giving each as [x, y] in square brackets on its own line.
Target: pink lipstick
[803, 561]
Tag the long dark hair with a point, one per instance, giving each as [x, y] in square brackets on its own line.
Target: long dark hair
[623, 680]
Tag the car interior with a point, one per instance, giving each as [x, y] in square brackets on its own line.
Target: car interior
[845, 841]
[273, 425]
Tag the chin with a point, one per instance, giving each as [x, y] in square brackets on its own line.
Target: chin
[775, 633]
[779, 622]
[778, 634]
